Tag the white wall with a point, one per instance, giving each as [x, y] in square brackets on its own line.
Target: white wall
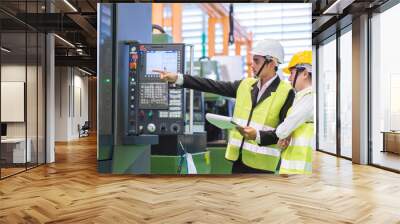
[70, 83]
[50, 93]
[15, 73]
[12, 101]
[81, 84]
[33, 126]
[61, 103]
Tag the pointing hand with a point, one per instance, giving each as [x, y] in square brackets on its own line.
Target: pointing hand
[167, 76]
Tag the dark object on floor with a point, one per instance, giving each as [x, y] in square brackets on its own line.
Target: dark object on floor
[84, 130]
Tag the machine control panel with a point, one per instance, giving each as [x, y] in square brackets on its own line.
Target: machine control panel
[155, 106]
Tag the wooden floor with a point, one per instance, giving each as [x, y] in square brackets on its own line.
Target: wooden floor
[71, 191]
[10, 171]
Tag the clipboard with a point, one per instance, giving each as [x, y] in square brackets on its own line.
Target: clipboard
[222, 122]
[236, 124]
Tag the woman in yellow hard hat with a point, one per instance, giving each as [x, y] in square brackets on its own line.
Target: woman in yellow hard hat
[296, 132]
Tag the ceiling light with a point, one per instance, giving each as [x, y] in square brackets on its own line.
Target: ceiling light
[70, 5]
[86, 72]
[338, 6]
[65, 41]
[5, 49]
[326, 11]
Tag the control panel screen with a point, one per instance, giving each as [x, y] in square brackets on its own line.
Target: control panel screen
[161, 60]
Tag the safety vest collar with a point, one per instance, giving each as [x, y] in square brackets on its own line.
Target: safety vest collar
[271, 88]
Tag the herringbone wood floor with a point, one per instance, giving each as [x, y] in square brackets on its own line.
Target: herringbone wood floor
[71, 191]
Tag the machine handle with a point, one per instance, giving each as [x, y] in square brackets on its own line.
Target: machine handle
[191, 93]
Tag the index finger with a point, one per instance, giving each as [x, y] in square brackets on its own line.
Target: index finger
[239, 128]
[158, 70]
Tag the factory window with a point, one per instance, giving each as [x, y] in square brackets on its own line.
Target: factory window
[346, 93]
[327, 96]
[385, 89]
[290, 23]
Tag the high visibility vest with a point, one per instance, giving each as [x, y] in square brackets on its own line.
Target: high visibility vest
[297, 157]
[265, 116]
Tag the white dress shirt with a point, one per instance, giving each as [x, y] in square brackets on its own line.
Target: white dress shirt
[264, 87]
[302, 111]
[179, 80]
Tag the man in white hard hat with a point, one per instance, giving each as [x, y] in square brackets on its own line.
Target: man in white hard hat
[261, 105]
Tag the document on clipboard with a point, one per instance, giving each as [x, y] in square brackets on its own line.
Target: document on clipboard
[222, 122]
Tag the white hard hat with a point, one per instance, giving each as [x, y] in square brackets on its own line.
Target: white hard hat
[269, 48]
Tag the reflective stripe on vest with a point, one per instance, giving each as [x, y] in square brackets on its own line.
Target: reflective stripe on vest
[253, 124]
[301, 141]
[257, 149]
[296, 165]
[265, 116]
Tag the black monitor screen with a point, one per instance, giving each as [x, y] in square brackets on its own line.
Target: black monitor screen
[3, 129]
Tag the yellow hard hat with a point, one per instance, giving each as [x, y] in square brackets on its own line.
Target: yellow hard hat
[302, 57]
